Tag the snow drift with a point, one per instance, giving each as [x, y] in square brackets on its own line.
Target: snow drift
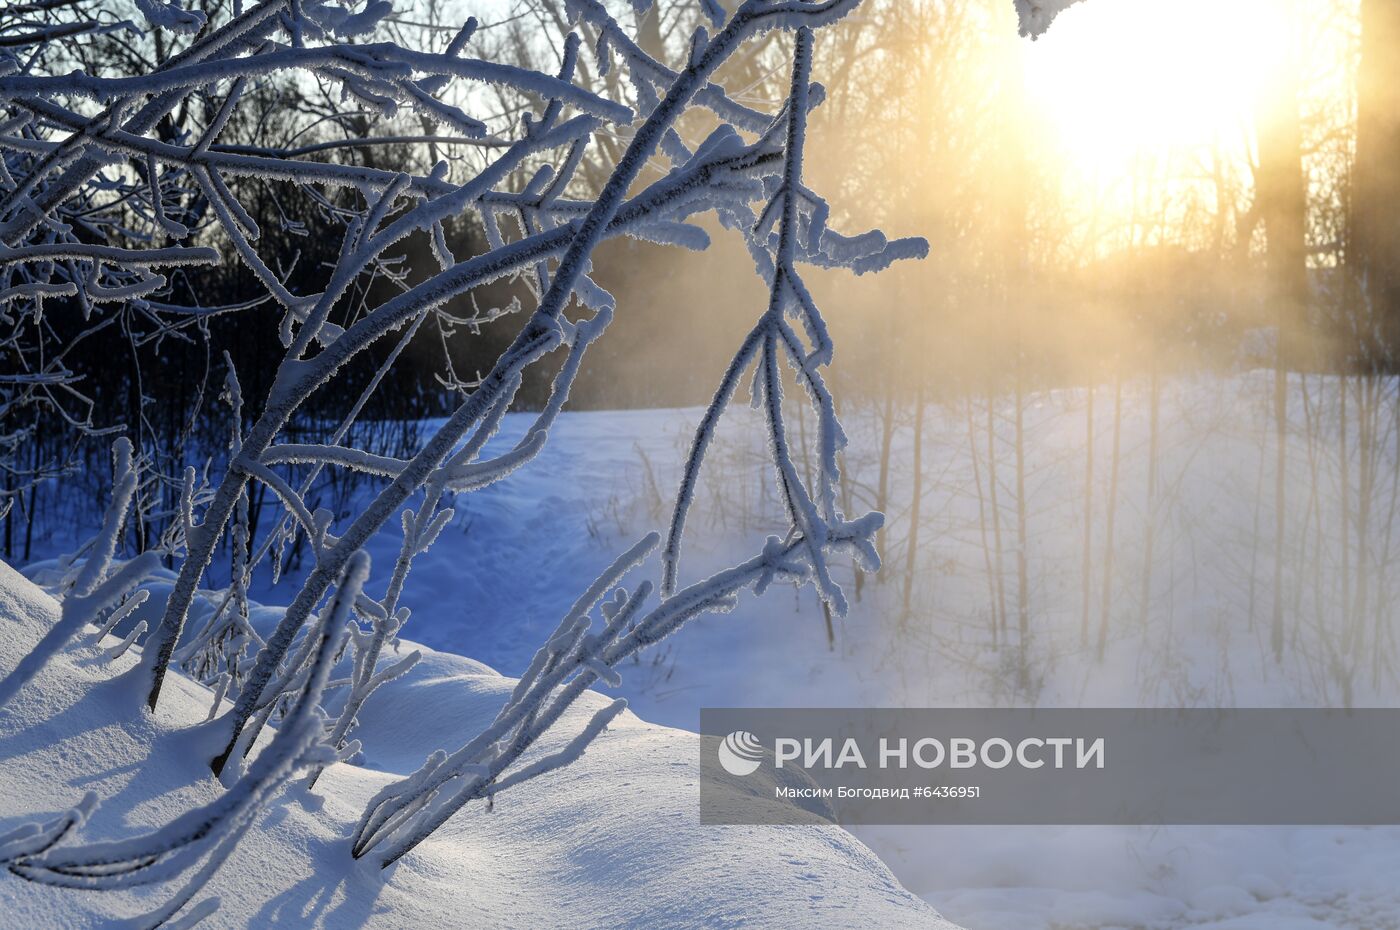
[611, 841]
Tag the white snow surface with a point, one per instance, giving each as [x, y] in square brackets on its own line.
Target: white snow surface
[517, 554]
[499, 578]
[611, 841]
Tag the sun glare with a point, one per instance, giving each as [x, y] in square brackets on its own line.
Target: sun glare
[1116, 79]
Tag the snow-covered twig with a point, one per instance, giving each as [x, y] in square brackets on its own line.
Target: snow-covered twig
[1036, 15]
[94, 588]
[747, 172]
[205, 834]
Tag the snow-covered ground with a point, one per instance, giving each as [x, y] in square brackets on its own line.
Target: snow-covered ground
[613, 841]
[518, 552]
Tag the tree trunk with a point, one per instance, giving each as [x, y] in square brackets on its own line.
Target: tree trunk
[1150, 514]
[996, 508]
[912, 544]
[1023, 586]
[1107, 606]
[1374, 247]
[982, 519]
[1088, 567]
[1282, 200]
[882, 490]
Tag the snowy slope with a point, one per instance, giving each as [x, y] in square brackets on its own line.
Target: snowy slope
[518, 552]
[609, 842]
[589, 495]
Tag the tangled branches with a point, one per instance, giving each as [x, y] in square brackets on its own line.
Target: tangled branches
[98, 191]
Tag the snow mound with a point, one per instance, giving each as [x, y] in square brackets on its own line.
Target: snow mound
[611, 841]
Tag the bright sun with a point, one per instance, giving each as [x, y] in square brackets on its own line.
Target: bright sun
[1116, 78]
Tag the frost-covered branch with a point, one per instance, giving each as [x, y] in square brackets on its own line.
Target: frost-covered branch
[574, 658]
[801, 234]
[95, 587]
[542, 333]
[99, 191]
[1036, 15]
[205, 834]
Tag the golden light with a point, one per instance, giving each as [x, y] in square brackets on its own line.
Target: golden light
[1113, 80]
